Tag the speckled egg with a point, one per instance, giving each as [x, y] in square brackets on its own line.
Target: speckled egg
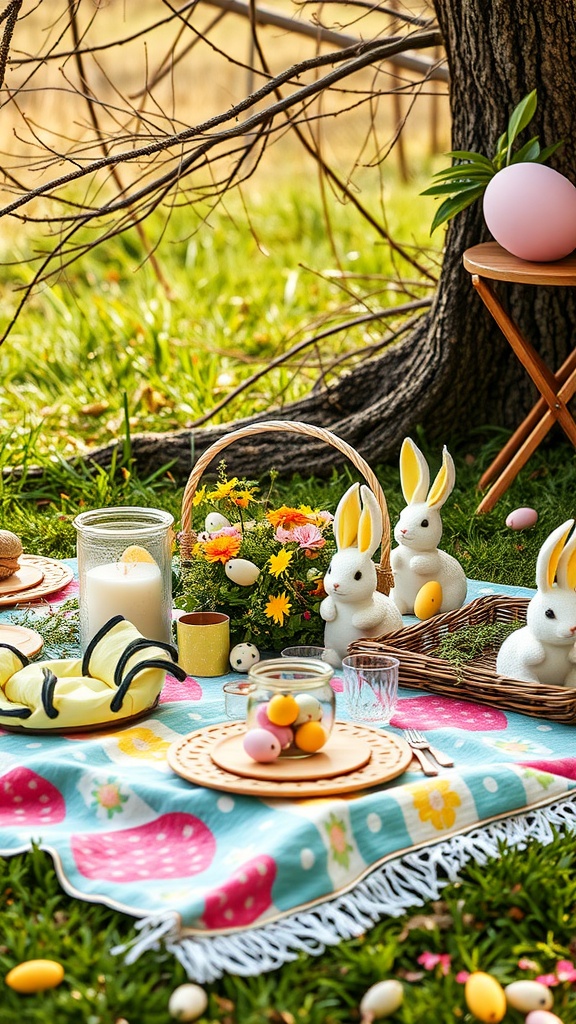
[243, 657]
[187, 1002]
[381, 1000]
[528, 995]
[485, 997]
[428, 600]
[241, 571]
[35, 976]
[310, 709]
[261, 745]
[522, 518]
[215, 521]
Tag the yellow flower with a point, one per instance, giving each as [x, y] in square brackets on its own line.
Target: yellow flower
[221, 549]
[242, 498]
[286, 517]
[280, 562]
[278, 606]
[223, 489]
[199, 497]
[435, 802]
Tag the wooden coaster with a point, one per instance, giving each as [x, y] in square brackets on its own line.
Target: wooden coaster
[389, 756]
[25, 640]
[25, 576]
[342, 754]
[54, 576]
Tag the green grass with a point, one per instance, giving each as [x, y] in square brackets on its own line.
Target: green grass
[107, 338]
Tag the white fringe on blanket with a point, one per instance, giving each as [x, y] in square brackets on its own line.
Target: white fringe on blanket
[406, 881]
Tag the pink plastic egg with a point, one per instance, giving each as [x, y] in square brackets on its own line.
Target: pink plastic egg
[542, 1017]
[522, 518]
[530, 209]
[283, 733]
[261, 745]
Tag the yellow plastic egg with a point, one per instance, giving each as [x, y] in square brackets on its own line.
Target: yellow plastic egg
[310, 737]
[35, 975]
[241, 571]
[528, 995]
[485, 997]
[282, 709]
[428, 600]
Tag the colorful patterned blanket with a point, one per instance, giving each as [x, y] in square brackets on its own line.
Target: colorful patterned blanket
[237, 884]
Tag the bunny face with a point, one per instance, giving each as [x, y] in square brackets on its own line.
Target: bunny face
[350, 578]
[420, 526]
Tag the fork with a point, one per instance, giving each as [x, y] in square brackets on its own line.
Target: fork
[418, 741]
[427, 766]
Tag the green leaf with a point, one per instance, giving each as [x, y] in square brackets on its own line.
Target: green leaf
[464, 154]
[549, 151]
[530, 151]
[453, 188]
[464, 171]
[519, 118]
[450, 207]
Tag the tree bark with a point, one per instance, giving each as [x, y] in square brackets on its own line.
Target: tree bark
[455, 371]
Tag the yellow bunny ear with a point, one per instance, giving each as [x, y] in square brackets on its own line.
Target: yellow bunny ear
[549, 556]
[347, 518]
[569, 565]
[414, 472]
[444, 482]
[567, 570]
[365, 531]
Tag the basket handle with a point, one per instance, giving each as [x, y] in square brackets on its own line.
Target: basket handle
[188, 536]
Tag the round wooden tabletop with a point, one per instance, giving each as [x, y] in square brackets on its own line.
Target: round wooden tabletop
[490, 260]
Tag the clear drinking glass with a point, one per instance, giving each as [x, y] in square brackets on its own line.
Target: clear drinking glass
[125, 568]
[370, 687]
[293, 699]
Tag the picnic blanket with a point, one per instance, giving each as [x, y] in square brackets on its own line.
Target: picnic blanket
[238, 884]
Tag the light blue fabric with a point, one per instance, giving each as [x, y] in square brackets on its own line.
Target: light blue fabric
[128, 832]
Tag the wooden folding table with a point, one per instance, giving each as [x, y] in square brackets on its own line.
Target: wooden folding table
[490, 262]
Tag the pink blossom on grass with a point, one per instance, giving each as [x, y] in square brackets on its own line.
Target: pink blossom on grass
[462, 977]
[309, 537]
[431, 960]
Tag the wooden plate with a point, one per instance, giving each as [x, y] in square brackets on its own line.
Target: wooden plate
[24, 577]
[339, 756]
[55, 575]
[28, 641]
[191, 758]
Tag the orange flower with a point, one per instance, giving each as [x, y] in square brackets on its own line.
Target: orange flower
[242, 498]
[287, 517]
[221, 549]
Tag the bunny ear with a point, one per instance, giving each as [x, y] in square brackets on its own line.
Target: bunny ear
[370, 525]
[549, 556]
[347, 517]
[566, 572]
[414, 472]
[444, 482]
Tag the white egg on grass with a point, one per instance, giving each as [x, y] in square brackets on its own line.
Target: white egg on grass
[187, 1002]
[243, 657]
[241, 571]
[381, 1000]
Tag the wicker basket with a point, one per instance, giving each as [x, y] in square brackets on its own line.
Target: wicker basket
[476, 681]
[188, 536]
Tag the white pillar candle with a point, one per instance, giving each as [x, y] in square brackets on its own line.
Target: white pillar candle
[131, 589]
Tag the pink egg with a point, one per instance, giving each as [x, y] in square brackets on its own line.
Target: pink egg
[530, 209]
[261, 745]
[283, 733]
[522, 518]
[542, 1017]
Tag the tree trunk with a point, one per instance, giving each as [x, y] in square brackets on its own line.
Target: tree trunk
[455, 371]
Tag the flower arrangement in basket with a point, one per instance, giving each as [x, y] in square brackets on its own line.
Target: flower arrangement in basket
[261, 564]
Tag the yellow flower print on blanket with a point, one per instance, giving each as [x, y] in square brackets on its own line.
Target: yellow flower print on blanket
[436, 807]
[436, 804]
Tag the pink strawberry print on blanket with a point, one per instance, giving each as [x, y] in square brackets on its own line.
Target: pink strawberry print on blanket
[244, 897]
[431, 712]
[175, 845]
[29, 799]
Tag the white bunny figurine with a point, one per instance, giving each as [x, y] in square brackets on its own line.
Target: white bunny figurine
[417, 560]
[353, 607]
[543, 650]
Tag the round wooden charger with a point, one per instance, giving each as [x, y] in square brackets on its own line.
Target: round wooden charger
[25, 640]
[54, 576]
[388, 756]
[25, 576]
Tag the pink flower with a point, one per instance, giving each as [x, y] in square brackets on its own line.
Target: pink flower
[431, 960]
[565, 971]
[462, 977]
[527, 965]
[547, 979]
[284, 536]
[306, 615]
[309, 537]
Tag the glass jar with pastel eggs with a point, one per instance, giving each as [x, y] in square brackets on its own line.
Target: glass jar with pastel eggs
[291, 708]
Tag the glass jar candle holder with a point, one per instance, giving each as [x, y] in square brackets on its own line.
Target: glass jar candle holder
[292, 698]
[125, 568]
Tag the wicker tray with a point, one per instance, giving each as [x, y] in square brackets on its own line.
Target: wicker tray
[188, 535]
[475, 681]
